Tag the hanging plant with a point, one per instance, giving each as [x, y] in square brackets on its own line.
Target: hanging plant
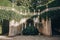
[9, 15]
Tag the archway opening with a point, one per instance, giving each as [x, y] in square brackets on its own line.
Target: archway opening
[30, 28]
[5, 27]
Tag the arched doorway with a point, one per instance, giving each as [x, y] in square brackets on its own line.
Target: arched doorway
[5, 27]
[30, 29]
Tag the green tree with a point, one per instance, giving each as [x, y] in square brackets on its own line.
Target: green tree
[32, 4]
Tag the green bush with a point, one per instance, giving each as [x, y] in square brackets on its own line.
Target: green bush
[56, 3]
[30, 31]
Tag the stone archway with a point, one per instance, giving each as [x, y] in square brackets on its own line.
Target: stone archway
[55, 21]
[30, 29]
[30, 22]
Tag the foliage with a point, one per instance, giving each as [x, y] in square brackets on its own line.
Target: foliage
[56, 3]
[5, 3]
[26, 4]
[41, 8]
[32, 4]
[30, 30]
[9, 15]
[51, 14]
[0, 29]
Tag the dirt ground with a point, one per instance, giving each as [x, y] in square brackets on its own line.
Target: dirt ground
[21, 37]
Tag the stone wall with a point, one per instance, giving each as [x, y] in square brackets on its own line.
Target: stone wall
[46, 28]
[14, 28]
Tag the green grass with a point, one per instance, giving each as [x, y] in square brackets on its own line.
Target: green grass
[5, 3]
[0, 29]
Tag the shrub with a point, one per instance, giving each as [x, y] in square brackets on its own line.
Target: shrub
[30, 31]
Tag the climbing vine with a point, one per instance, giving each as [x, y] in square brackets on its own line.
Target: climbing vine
[9, 15]
[51, 14]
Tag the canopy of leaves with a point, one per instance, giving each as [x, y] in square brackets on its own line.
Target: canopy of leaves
[56, 3]
[31, 4]
[9, 15]
[5, 3]
[51, 14]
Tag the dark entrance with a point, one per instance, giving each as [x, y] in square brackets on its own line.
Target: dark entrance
[5, 27]
[56, 26]
[30, 29]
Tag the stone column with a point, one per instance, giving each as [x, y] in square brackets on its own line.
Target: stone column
[49, 30]
[22, 27]
[34, 12]
[25, 24]
[34, 21]
[43, 26]
[25, 12]
[21, 11]
[47, 27]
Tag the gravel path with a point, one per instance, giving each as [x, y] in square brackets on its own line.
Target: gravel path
[30, 38]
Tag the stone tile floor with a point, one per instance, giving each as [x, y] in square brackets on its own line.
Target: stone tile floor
[21, 37]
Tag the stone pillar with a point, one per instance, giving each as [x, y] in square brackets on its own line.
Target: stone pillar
[25, 25]
[14, 28]
[47, 27]
[34, 12]
[25, 12]
[28, 11]
[22, 27]
[43, 26]
[34, 21]
[49, 30]
[21, 11]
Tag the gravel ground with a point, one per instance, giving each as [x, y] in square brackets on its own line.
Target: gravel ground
[30, 38]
